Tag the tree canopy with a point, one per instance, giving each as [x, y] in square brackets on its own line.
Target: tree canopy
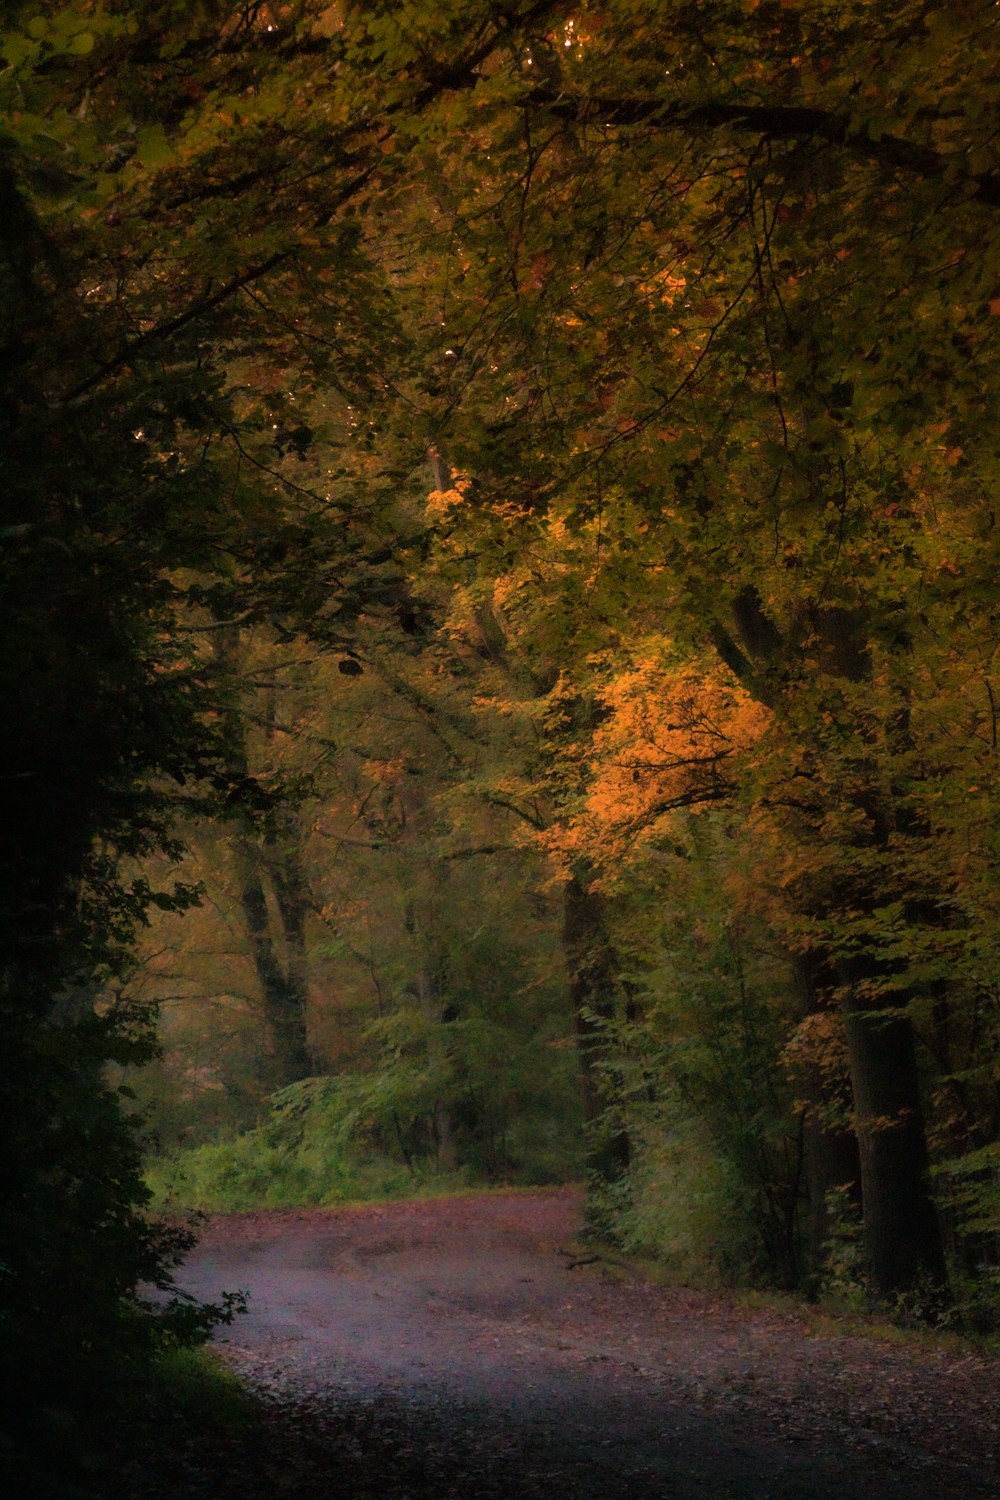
[604, 394]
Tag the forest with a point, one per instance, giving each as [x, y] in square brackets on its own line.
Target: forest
[499, 618]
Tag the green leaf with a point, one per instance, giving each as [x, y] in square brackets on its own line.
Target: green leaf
[15, 49]
[154, 149]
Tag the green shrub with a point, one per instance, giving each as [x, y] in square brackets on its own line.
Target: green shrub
[310, 1150]
[682, 1206]
[251, 1172]
[843, 1278]
[335, 1140]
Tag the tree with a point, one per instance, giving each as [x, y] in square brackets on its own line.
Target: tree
[704, 320]
[701, 347]
[439, 915]
[102, 709]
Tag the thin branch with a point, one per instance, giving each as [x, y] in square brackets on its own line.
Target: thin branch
[533, 817]
[773, 122]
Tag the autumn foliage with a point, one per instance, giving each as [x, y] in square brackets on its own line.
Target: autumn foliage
[508, 496]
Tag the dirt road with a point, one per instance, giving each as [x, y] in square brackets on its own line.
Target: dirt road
[448, 1349]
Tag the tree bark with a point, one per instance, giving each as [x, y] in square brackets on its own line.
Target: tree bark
[831, 1149]
[270, 854]
[902, 1235]
[431, 1008]
[283, 860]
[595, 991]
[283, 987]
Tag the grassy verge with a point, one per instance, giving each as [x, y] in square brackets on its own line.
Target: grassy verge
[244, 1174]
[197, 1386]
[830, 1316]
[332, 1140]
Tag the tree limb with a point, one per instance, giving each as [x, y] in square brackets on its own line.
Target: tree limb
[772, 122]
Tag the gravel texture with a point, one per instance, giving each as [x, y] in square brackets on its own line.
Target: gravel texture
[450, 1348]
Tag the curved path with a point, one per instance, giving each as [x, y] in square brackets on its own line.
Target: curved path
[449, 1348]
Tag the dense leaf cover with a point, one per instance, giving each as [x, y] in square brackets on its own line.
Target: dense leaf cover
[631, 367]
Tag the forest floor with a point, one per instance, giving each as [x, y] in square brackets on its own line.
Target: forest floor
[449, 1348]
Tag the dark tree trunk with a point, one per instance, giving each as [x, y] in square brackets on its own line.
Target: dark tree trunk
[267, 852]
[902, 1235]
[283, 986]
[435, 1014]
[429, 989]
[595, 992]
[832, 1162]
[283, 860]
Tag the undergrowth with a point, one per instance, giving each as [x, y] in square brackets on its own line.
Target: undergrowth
[248, 1172]
[325, 1142]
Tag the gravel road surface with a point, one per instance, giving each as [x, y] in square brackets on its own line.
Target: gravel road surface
[450, 1348]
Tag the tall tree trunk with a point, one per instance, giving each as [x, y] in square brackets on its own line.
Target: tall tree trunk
[832, 1161]
[902, 1235]
[430, 1006]
[283, 987]
[283, 860]
[270, 854]
[595, 990]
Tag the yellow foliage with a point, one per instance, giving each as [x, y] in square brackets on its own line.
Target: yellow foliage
[672, 739]
[441, 502]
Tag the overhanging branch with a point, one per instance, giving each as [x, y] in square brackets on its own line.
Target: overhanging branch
[773, 122]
